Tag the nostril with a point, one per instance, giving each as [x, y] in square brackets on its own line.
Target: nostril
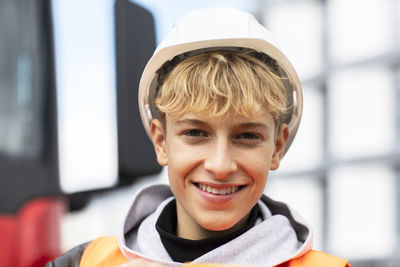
[222, 172]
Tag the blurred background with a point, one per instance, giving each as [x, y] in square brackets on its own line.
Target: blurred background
[73, 152]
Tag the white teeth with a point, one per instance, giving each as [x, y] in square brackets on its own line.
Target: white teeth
[216, 191]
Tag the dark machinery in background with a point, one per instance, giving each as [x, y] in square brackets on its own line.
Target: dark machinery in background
[135, 44]
[31, 201]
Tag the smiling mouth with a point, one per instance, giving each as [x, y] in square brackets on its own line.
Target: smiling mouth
[218, 191]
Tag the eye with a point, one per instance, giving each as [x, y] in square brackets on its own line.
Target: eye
[248, 138]
[248, 135]
[195, 133]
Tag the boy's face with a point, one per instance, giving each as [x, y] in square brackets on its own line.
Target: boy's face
[217, 168]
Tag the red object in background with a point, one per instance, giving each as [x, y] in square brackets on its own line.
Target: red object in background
[31, 238]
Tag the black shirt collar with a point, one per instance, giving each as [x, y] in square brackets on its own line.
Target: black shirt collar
[184, 250]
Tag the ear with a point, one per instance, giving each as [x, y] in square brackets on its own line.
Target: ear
[158, 138]
[280, 143]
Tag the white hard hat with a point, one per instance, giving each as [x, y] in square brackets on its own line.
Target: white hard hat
[216, 27]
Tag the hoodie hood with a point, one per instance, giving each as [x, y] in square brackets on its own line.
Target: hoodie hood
[279, 236]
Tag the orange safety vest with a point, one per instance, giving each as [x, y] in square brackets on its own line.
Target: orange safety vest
[105, 252]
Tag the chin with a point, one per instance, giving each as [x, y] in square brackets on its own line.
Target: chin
[218, 226]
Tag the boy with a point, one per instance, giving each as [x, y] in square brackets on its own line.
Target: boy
[222, 105]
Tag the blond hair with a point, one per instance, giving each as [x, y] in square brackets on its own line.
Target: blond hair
[217, 82]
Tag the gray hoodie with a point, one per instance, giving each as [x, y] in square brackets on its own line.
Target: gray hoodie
[280, 236]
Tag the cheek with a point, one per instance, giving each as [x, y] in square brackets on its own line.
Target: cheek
[256, 163]
[182, 160]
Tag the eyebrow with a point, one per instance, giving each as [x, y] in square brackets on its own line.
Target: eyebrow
[253, 125]
[191, 121]
[239, 125]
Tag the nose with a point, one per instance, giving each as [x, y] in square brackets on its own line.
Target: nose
[219, 160]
